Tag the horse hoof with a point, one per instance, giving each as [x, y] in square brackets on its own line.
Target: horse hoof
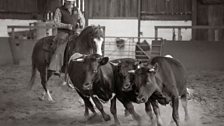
[41, 98]
[53, 101]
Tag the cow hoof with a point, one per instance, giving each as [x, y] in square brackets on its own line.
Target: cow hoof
[116, 124]
[86, 115]
[126, 113]
[92, 116]
[106, 117]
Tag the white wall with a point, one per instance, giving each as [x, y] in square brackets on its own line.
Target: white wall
[5, 22]
[129, 28]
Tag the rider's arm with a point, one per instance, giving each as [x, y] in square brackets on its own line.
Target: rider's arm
[81, 19]
[57, 19]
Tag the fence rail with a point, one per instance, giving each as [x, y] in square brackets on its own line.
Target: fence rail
[214, 29]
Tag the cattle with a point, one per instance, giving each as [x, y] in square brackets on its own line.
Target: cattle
[92, 76]
[166, 75]
[125, 89]
[107, 79]
[99, 79]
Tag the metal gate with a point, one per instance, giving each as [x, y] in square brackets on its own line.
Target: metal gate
[140, 48]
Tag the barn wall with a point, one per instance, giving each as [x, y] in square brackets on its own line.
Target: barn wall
[208, 14]
[167, 9]
[151, 9]
[129, 27]
[5, 52]
[112, 8]
[197, 55]
[27, 9]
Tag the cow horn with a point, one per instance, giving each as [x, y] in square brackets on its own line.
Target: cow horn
[115, 64]
[138, 66]
[79, 59]
[152, 69]
[131, 71]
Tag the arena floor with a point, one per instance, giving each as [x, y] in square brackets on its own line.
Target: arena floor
[19, 107]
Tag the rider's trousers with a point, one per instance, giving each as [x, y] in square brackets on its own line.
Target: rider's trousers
[57, 59]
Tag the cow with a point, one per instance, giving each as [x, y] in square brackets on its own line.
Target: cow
[125, 89]
[166, 75]
[91, 75]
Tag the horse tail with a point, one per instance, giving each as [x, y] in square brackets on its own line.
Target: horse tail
[33, 75]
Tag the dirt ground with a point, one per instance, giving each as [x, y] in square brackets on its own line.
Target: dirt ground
[19, 107]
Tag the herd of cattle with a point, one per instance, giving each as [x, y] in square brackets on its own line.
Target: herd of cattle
[160, 80]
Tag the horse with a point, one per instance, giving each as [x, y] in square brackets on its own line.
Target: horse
[88, 41]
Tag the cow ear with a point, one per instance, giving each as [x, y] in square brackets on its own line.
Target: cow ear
[104, 60]
[156, 67]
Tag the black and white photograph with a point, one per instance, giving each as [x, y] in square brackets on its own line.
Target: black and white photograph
[111, 62]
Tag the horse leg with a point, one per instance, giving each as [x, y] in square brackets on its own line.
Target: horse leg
[98, 104]
[45, 75]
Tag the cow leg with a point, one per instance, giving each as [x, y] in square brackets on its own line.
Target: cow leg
[184, 104]
[157, 112]
[106, 117]
[88, 105]
[175, 106]
[113, 110]
[148, 110]
[129, 106]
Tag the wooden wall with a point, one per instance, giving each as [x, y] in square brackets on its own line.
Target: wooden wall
[208, 13]
[167, 9]
[150, 9]
[105, 9]
[112, 8]
[26, 9]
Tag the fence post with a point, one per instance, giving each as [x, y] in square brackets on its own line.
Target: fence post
[179, 34]
[156, 33]
[15, 55]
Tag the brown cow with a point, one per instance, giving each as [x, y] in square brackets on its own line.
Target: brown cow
[165, 75]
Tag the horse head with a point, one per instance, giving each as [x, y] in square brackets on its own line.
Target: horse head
[90, 40]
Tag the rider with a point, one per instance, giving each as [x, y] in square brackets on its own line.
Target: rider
[67, 19]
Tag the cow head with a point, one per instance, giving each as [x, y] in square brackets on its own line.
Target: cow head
[87, 67]
[126, 74]
[145, 82]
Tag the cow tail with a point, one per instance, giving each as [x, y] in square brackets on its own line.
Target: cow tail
[33, 76]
